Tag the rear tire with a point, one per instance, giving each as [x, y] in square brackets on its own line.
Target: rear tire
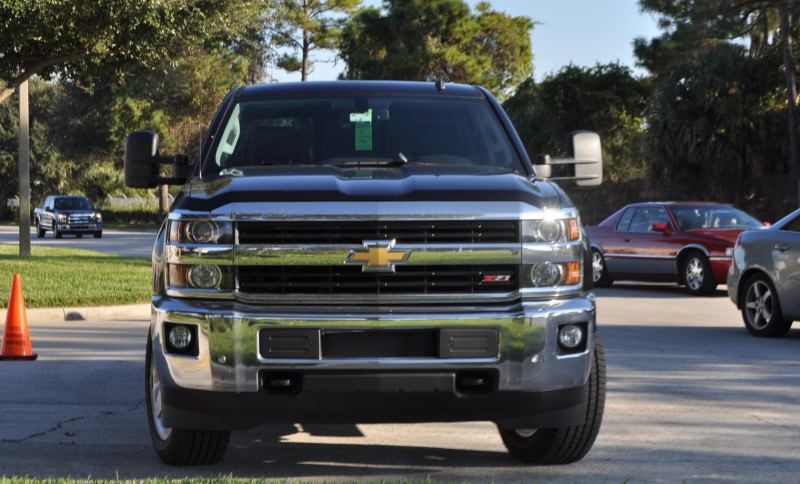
[175, 446]
[696, 274]
[600, 275]
[761, 309]
[564, 445]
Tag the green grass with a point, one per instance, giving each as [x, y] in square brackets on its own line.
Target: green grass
[54, 277]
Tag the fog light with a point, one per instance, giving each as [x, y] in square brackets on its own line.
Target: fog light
[205, 276]
[570, 336]
[545, 274]
[180, 337]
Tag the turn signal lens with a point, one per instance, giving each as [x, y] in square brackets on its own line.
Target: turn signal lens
[573, 232]
[572, 273]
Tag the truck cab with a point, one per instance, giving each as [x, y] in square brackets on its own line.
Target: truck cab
[358, 252]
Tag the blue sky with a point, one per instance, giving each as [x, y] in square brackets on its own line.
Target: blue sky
[582, 32]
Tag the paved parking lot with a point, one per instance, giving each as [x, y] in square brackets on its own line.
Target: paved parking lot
[137, 243]
[691, 397]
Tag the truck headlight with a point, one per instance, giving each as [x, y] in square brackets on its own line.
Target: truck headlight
[551, 230]
[551, 274]
[61, 217]
[98, 217]
[201, 231]
[205, 276]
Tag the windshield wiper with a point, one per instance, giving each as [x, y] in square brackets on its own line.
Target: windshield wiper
[401, 160]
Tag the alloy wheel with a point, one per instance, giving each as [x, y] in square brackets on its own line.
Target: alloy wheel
[695, 273]
[759, 305]
[597, 266]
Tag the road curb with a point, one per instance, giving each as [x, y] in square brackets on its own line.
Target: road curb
[129, 312]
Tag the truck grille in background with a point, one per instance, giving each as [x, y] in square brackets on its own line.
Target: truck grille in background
[422, 279]
[79, 219]
[405, 232]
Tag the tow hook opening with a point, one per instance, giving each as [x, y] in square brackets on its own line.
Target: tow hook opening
[282, 383]
[480, 381]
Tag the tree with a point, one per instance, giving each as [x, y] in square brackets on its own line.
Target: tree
[76, 39]
[693, 27]
[431, 39]
[304, 26]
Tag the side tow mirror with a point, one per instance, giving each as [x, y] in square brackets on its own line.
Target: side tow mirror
[142, 162]
[662, 228]
[587, 158]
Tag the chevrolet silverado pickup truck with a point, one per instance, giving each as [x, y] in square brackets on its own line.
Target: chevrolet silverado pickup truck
[352, 252]
[68, 214]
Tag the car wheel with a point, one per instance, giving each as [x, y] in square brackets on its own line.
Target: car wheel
[564, 445]
[98, 235]
[600, 275]
[78, 236]
[56, 233]
[761, 309]
[178, 446]
[40, 231]
[697, 275]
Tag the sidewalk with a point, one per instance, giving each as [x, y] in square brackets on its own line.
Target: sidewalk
[128, 312]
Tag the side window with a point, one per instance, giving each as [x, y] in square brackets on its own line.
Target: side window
[229, 138]
[645, 217]
[793, 226]
[625, 222]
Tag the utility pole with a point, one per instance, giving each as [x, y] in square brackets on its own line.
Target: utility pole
[24, 174]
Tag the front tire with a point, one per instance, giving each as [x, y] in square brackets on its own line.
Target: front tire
[176, 446]
[98, 234]
[697, 275]
[600, 275]
[40, 231]
[564, 445]
[56, 233]
[761, 309]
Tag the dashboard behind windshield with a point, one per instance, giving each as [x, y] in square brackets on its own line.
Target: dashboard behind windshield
[359, 131]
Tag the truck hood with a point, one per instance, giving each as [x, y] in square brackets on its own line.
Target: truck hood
[330, 184]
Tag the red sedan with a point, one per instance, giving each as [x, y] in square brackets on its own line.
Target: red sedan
[690, 243]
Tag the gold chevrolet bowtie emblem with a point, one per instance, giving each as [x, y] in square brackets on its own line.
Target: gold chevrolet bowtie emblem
[378, 256]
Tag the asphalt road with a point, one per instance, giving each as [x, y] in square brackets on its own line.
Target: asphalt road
[691, 397]
[136, 243]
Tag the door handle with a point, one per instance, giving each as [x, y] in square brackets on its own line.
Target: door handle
[781, 247]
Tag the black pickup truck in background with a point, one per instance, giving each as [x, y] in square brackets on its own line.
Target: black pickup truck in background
[68, 215]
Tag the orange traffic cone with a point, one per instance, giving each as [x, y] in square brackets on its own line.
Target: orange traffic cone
[16, 339]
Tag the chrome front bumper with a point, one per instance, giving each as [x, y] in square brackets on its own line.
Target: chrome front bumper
[529, 359]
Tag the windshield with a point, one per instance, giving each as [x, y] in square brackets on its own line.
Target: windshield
[714, 217]
[359, 131]
[72, 203]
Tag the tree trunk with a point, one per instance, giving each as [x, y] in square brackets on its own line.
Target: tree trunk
[304, 66]
[791, 90]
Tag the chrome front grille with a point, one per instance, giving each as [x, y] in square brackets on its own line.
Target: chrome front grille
[403, 232]
[336, 280]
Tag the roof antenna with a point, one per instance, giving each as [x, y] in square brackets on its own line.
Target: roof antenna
[440, 84]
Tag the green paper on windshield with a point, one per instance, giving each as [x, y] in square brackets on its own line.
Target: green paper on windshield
[363, 130]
